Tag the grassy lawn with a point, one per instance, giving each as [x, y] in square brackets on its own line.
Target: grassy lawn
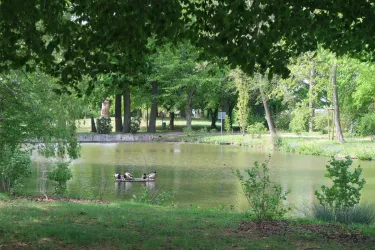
[123, 225]
[84, 125]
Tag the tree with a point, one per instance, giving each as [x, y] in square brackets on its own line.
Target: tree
[271, 33]
[243, 88]
[33, 116]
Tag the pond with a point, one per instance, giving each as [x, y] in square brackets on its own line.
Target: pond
[200, 174]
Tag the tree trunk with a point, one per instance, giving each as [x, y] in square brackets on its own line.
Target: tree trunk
[339, 134]
[213, 117]
[93, 127]
[118, 116]
[154, 108]
[188, 109]
[127, 115]
[270, 123]
[171, 120]
[312, 96]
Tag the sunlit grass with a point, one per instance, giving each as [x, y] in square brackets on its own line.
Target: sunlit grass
[124, 225]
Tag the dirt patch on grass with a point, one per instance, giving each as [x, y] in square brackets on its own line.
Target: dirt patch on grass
[55, 199]
[337, 233]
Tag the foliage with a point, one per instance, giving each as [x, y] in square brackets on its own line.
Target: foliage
[104, 125]
[227, 124]
[282, 121]
[135, 124]
[365, 155]
[300, 117]
[358, 214]
[188, 131]
[345, 191]
[321, 123]
[15, 166]
[156, 198]
[60, 174]
[256, 130]
[264, 196]
[367, 125]
[241, 82]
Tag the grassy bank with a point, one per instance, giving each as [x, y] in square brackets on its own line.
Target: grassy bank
[357, 148]
[77, 225]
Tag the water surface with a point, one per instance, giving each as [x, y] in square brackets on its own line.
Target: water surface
[200, 174]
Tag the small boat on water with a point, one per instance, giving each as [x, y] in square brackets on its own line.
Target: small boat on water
[134, 180]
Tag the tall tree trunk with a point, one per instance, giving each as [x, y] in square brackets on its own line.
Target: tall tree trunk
[339, 134]
[93, 127]
[127, 115]
[154, 108]
[312, 96]
[214, 117]
[118, 116]
[171, 120]
[270, 123]
[188, 109]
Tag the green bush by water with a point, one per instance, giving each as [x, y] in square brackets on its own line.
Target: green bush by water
[264, 196]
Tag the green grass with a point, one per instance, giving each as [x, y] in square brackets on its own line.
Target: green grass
[60, 225]
[84, 125]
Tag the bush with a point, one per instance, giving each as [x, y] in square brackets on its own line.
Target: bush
[282, 121]
[156, 198]
[60, 174]
[264, 196]
[299, 121]
[227, 124]
[15, 167]
[104, 125]
[321, 123]
[256, 129]
[188, 131]
[345, 191]
[367, 126]
[135, 124]
[358, 214]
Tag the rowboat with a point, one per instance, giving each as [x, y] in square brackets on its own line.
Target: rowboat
[134, 180]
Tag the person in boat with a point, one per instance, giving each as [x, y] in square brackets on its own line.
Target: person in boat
[152, 176]
[128, 175]
[144, 176]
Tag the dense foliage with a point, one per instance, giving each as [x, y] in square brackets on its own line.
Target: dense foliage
[345, 191]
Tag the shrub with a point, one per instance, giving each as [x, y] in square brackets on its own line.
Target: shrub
[264, 196]
[227, 124]
[60, 174]
[299, 121]
[345, 191]
[104, 125]
[358, 214]
[256, 129]
[321, 123]
[15, 166]
[156, 198]
[188, 131]
[282, 120]
[135, 124]
[365, 155]
[367, 126]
